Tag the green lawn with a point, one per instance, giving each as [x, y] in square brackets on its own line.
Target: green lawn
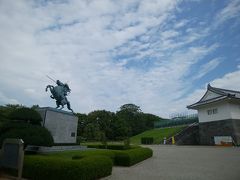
[157, 134]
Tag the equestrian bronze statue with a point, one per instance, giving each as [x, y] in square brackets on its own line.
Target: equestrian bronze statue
[59, 93]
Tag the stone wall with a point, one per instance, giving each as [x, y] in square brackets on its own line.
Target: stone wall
[236, 129]
[189, 136]
[208, 130]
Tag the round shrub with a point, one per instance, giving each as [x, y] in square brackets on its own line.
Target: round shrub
[27, 115]
[31, 134]
[132, 156]
[51, 168]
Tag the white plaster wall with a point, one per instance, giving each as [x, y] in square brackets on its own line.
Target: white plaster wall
[210, 95]
[235, 111]
[223, 113]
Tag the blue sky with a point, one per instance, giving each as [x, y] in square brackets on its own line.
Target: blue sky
[159, 55]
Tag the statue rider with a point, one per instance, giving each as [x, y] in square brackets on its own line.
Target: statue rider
[64, 88]
[59, 83]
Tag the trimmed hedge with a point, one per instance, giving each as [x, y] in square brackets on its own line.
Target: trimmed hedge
[112, 146]
[119, 157]
[27, 115]
[132, 156]
[31, 134]
[50, 168]
[147, 140]
[123, 157]
[108, 153]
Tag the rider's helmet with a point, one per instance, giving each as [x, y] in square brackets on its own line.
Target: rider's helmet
[58, 82]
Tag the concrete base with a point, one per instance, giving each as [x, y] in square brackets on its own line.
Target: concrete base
[43, 149]
[208, 130]
[61, 124]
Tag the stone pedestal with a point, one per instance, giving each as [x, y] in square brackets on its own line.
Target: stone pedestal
[61, 124]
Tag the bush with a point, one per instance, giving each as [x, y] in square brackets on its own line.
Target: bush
[117, 147]
[132, 156]
[127, 143]
[118, 157]
[26, 115]
[48, 168]
[79, 140]
[147, 140]
[81, 154]
[112, 146]
[31, 134]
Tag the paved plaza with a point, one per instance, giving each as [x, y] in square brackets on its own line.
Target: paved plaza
[184, 163]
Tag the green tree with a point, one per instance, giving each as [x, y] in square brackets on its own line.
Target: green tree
[131, 108]
[120, 129]
[82, 123]
[35, 106]
[91, 132]
[31, 134]
[136, 120]
[103, 119]
[6, 110]
[130, 113]
[150, 119]
[27, 115]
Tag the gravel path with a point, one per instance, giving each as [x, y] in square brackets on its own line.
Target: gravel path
[184, 163]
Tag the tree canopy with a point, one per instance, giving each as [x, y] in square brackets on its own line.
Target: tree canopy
[128, 121]
[96, 125]
[131, 108]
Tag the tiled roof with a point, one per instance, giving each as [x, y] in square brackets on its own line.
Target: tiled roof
[224, 91]
[223, 94]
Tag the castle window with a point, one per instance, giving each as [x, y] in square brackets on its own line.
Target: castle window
[212, 111]
[215, 111]
[209, 112]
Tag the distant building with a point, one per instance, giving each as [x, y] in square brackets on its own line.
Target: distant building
[219, 116]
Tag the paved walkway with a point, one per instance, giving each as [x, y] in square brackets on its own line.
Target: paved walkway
[184, 163]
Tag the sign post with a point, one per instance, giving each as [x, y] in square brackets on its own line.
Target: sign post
[13, 155]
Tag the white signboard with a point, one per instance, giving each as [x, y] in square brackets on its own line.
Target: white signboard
[223, 140]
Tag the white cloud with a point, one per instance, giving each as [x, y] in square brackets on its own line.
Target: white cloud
[84, 42]
[7, 100]
[169, 34]
[181, 23]
[208, 67]
[232, 10]
[228, 81]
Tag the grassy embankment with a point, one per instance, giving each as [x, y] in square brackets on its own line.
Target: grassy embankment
[157, 134]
